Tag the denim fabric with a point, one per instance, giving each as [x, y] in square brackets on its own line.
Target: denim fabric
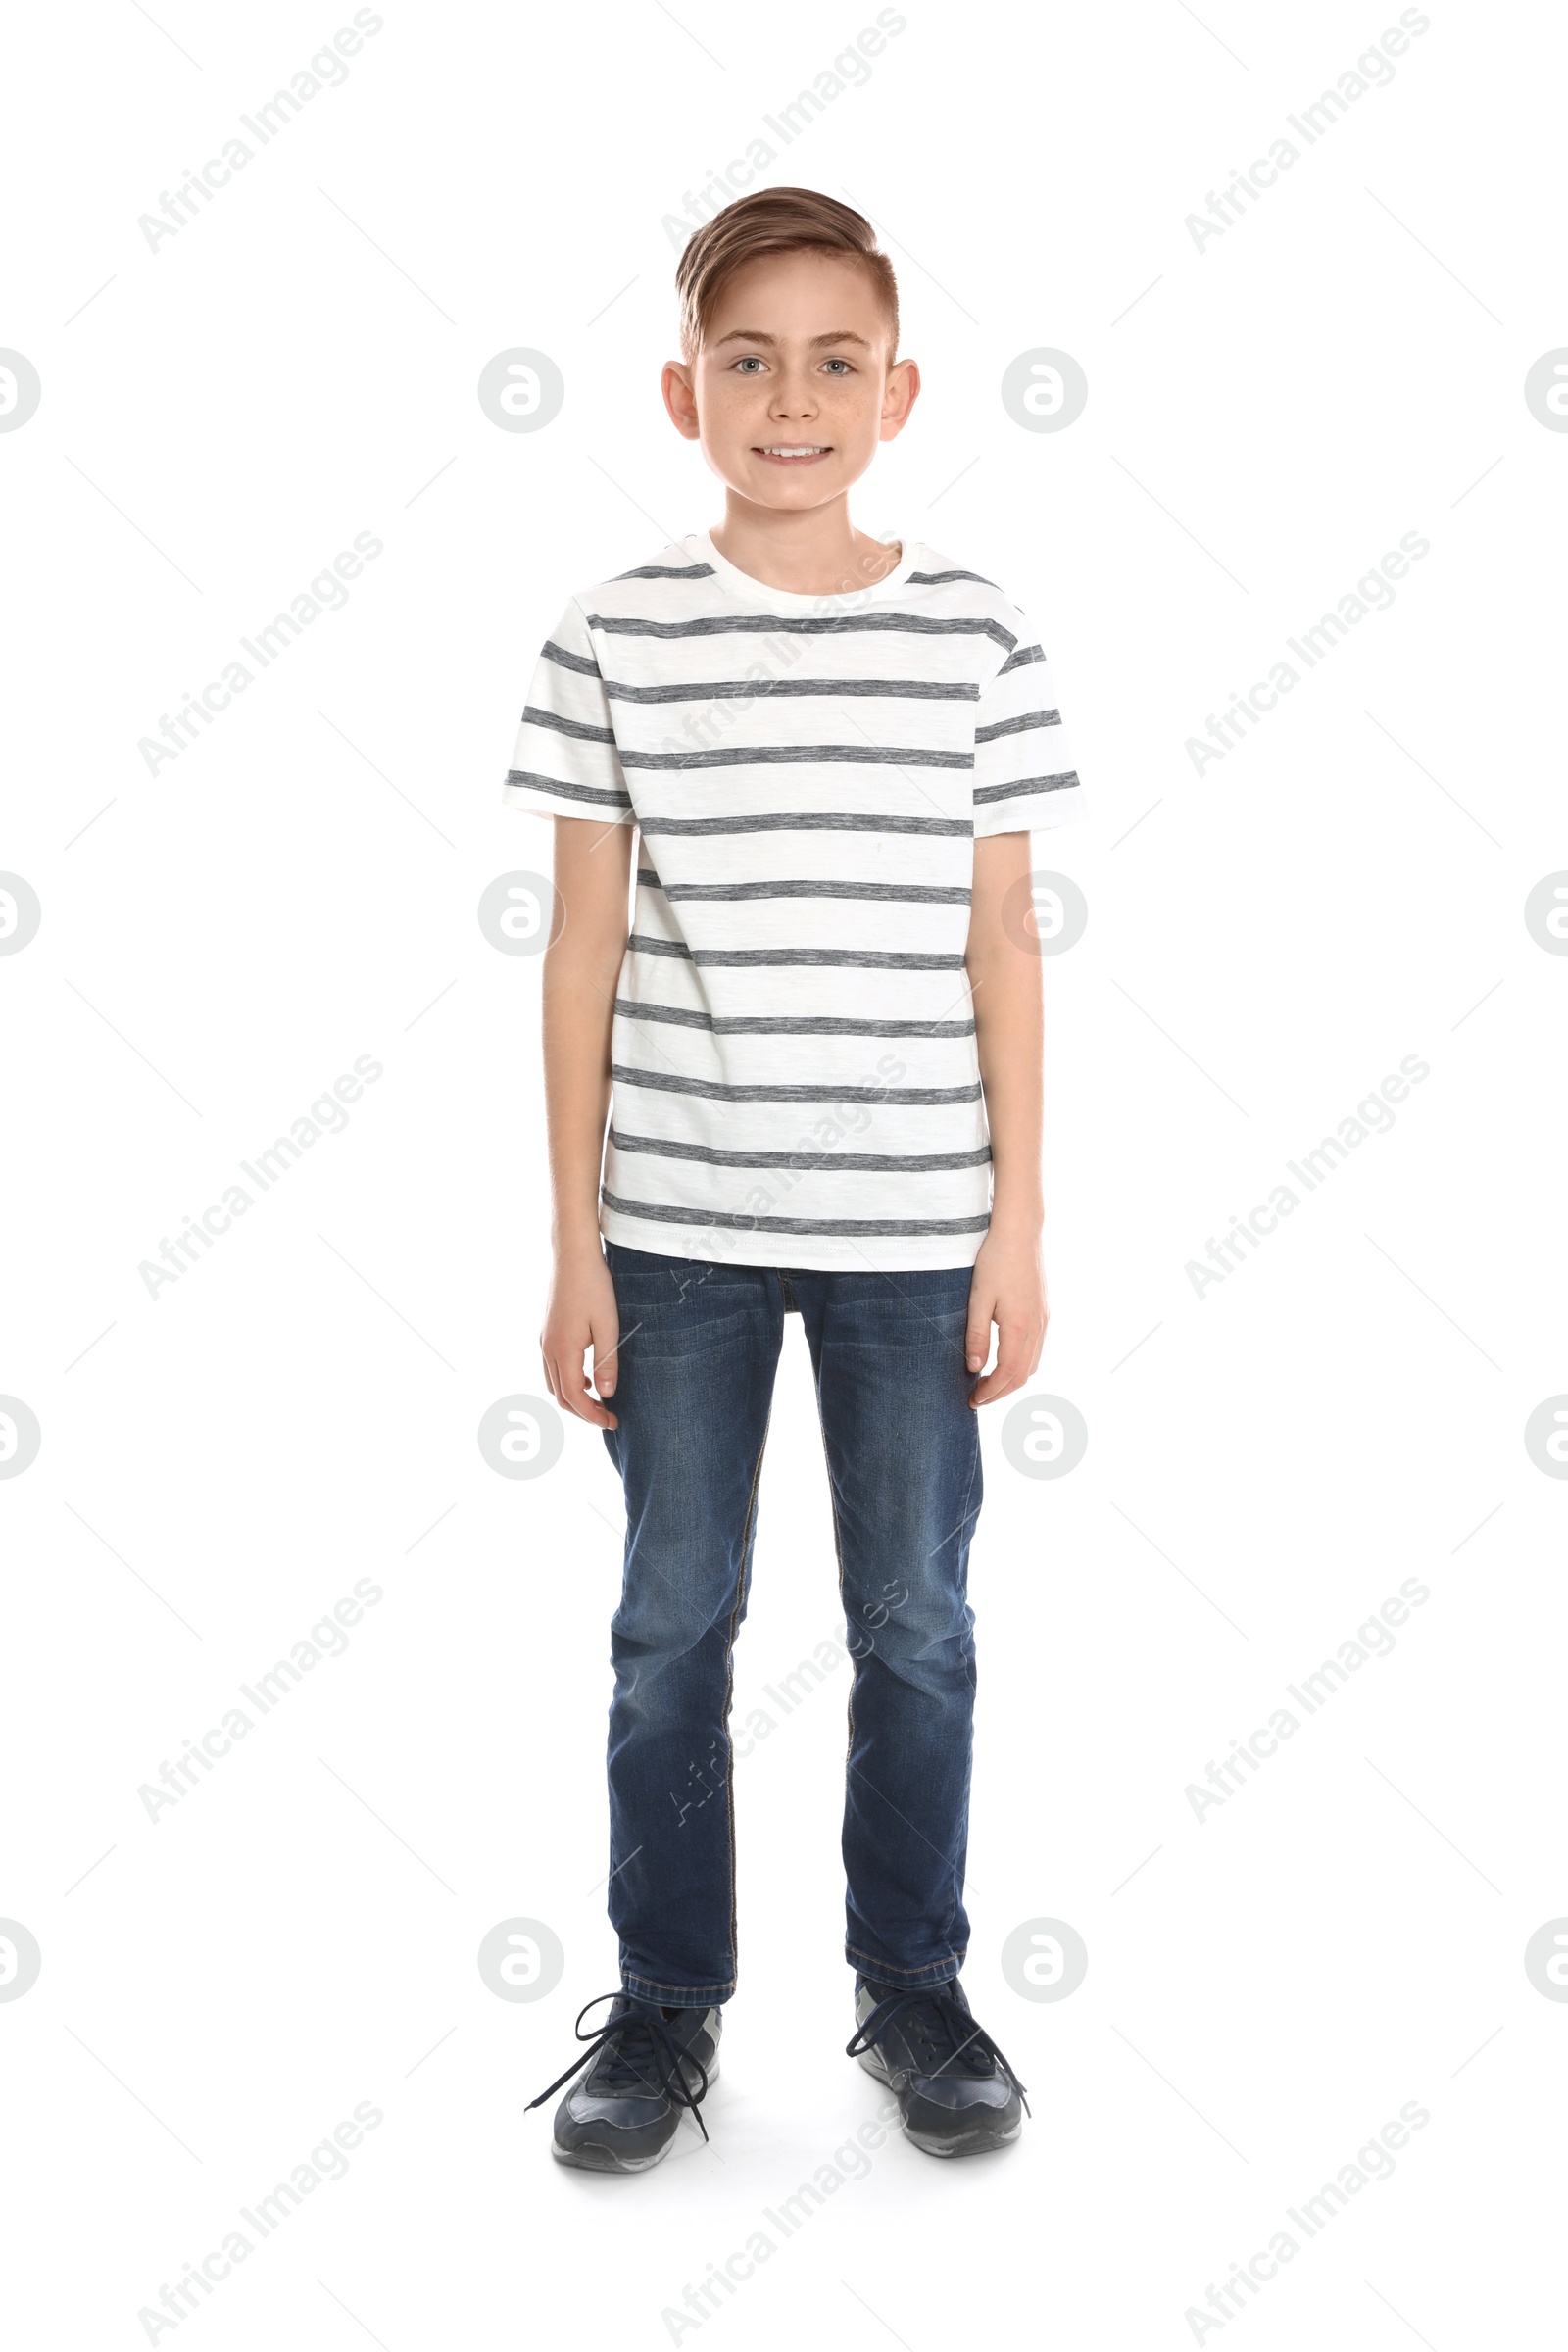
[699, 1348]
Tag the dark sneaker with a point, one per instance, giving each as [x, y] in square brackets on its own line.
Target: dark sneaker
[957, 2093]
[643, 2068]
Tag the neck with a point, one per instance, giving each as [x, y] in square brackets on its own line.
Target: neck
[815, 553]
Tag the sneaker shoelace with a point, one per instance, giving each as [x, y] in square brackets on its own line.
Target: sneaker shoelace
[634, 2048]
[941, 2031]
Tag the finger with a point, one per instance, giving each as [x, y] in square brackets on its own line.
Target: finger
[586, 1381]
[586, 1406]
[605, 1342]
[1014, 1346]
[570, 1392]
[606, 1369]
[977, 1333]
[590, 1410]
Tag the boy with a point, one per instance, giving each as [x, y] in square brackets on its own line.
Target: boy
[824, 1040]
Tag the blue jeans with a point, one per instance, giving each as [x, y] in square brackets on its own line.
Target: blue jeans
[699, 1348]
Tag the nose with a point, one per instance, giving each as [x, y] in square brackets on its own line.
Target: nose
[794, 395]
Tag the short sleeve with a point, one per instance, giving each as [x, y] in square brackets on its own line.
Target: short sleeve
[1024, 780]
[566, 763]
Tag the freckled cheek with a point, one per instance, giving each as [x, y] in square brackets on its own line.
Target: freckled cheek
[730, 419]
[850, 420]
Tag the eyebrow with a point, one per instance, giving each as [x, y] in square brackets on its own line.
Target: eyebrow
[748, 334]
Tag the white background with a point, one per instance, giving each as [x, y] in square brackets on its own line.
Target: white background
[1265, 1465]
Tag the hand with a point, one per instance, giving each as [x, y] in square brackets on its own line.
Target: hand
[581, 1317]
[1008, 1290]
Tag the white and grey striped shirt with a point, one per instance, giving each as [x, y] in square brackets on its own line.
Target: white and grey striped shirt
[795, 1073]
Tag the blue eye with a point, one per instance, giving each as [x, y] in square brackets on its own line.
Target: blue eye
[844, 363]
[751, 362]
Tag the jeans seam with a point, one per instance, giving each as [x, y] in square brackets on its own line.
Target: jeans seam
[838, 1546]
[964, 1523]
[729, 1692]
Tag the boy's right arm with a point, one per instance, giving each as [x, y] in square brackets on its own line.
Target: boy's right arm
[581, 969]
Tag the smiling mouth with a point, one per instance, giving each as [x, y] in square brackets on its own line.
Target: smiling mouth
[783, 453]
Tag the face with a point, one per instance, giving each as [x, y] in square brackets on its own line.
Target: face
[793, 389]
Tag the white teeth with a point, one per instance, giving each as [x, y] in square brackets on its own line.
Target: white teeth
[815, 449]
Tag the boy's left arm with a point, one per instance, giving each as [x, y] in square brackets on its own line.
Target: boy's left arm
[1008, 1285]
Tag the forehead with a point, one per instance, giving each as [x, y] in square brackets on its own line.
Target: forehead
[793, 296]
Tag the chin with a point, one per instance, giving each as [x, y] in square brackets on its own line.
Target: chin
[794, 490]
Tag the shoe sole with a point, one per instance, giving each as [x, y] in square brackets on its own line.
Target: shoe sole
[592, 2156]
[977, 2142]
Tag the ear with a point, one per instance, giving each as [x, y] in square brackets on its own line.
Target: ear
[680, 398]
[902, 392]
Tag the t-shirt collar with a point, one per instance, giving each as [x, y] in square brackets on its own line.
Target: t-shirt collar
[699, 547]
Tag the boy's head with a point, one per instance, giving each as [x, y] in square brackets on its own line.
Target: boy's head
[789, 342]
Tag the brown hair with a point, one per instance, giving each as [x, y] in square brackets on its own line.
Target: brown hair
[774, 221]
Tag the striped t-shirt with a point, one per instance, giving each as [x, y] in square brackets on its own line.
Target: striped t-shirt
[795, 1073]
